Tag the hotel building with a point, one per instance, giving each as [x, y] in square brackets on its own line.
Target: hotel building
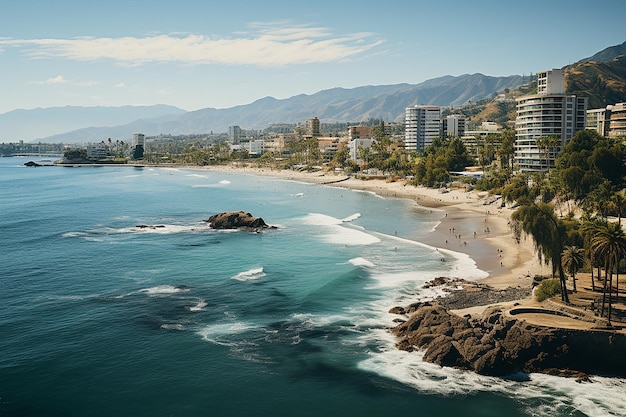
[548, 114]
[422, 125]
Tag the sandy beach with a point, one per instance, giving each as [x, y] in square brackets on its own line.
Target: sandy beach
[471, 222]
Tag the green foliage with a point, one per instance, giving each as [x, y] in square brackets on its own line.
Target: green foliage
[547, 288]
[443, 156]
[493, 180]
[519, 190]
[75, 155]
[587, 161]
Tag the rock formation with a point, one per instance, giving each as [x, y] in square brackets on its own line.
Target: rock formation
[238, 220]
[499, 345]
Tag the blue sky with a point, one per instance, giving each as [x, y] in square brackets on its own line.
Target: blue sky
[195, 54]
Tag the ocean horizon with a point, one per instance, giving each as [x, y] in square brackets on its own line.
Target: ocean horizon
[101, 317]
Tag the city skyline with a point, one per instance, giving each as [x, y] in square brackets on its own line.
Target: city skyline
[195, 54]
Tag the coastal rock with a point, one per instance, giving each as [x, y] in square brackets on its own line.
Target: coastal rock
[499, 345]
[238, 220]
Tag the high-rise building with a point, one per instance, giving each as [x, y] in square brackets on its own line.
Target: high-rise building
[454, 126]
[138, 146]
[551, 82]
[234, 134]
[421, 126]
[546, 122]
[312, 127]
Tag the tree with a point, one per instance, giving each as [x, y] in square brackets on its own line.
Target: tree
[572, 259]
[598, 200]
[549, 146]
[380, 152]
[519, 191]
[539, 221]
[341, 156]
[618, 203]
[609, 243]
[588, 160]
[589, 228]
[507, 148]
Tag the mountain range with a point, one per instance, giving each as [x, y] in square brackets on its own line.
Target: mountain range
[602, 77]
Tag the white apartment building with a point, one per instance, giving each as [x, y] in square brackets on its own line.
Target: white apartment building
[598, 120]
[548, 114]
[355, 144]
[254, 147]
[551, 82]
[422, 125]
[617, 126]
[454, 125]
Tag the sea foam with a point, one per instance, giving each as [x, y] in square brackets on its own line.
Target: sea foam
[220, 333]
[199, 306]
[250, 275]
[334, 232]
[164, 290]
[361, 262]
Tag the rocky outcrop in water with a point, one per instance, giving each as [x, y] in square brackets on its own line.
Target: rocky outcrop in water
[238, 220]
[499, 345]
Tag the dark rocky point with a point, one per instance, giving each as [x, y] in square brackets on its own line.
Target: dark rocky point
[238, 220]
[499, 345]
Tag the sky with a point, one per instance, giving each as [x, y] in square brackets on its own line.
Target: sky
[196, 54]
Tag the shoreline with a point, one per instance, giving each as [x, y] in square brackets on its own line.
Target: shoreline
[471, 222]
[510, 265]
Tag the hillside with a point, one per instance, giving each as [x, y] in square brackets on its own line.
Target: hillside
[334, 105]
[601, 78]
[602, 82]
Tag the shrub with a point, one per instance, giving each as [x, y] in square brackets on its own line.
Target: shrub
[548, 288]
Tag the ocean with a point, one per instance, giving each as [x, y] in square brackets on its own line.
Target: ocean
[99, 317]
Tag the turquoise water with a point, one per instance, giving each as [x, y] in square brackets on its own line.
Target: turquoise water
[99, 317]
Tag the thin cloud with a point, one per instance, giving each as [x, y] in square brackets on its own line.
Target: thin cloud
[267, 46]
[53, 80]
[59, 79]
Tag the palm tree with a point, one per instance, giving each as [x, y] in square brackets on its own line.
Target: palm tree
[539, 221]
[573, 258]
[549, 146]
[609, 242]
[589, 228]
